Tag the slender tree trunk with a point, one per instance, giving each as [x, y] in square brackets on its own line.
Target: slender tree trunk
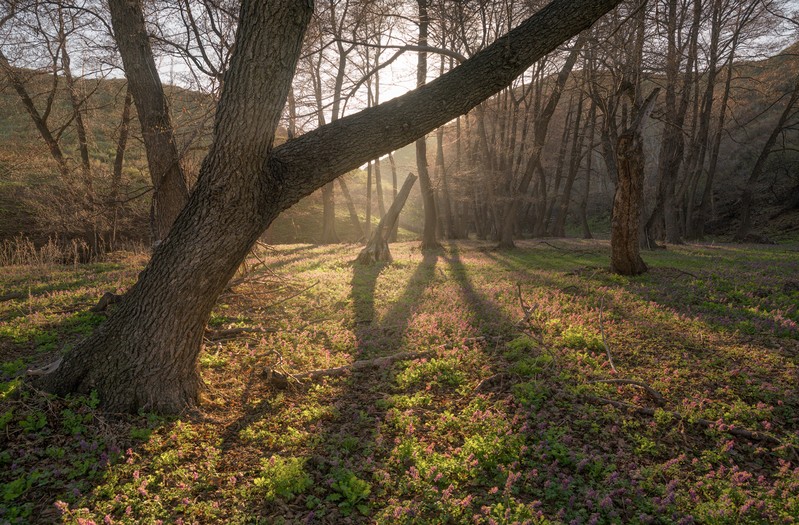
[539, 140]
[356, 222]
[381, 205]
[393, 236]
[119, 159]
[39, 119]
[578, 143]
[705, 205]
[170, 192]
[760, 164]
[441, 175]
[551, 207]
[673, 144]
[588, 168]
[429, 233]
[368, 228]
[329, 235]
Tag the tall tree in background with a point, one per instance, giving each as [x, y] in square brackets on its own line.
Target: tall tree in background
[170, 191]
[430, 228]
[145, 355]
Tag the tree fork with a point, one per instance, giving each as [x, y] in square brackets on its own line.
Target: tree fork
[145, 355]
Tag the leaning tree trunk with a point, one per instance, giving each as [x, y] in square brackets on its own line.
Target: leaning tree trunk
[625, 256]
[376, 250]
[145, 355]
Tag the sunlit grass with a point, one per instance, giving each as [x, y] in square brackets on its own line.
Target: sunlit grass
[497, 424]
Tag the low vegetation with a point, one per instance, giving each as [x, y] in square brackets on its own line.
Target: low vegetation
[511, 419]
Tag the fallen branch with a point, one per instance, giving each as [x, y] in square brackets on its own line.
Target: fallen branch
[689, 274]
[292, 296]
[282, 380]
[729, 429]
[656, 396]
[489, 382]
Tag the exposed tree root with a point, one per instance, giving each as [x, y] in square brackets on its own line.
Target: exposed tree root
[105, 301]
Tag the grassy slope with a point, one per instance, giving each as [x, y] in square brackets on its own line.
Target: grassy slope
[496, 428]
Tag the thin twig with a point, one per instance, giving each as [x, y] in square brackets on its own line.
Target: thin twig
[604, 340]
[292, 296]
[654, 394]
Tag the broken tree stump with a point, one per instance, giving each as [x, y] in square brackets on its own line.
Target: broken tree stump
[376, 250]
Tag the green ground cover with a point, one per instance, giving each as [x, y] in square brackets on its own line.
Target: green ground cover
[503, 421]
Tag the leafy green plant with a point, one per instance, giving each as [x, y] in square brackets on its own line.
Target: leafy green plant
[576, 336]
[282, 478]
[350, 492]
[34, 422]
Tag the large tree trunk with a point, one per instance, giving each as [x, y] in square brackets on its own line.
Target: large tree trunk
[625, 257]
[170, 192]
[145, 355]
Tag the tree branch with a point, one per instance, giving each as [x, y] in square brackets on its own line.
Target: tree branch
[307, 162]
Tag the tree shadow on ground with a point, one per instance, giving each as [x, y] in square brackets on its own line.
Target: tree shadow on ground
[336, 442]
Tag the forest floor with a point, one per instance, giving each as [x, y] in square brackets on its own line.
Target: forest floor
[505, 417]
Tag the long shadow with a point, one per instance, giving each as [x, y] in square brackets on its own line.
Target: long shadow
[494, 322]
[339, 441]
[698, 323]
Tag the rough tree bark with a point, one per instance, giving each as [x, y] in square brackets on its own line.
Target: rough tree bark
[376, 250]
[145, 355]
[170, 192]
[625, 256]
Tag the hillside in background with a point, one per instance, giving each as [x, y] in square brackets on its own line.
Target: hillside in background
[34, 202]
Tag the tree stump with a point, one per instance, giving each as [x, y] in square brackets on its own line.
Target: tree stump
[625, 255]
[376, 250]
